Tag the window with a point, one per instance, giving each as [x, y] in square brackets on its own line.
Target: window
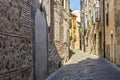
[86, 41]
[107, 15]
[97, 15]
[81, 4]
[62, 2]
[86, 3]
[95, 38]
[107, 19]
[93, 20]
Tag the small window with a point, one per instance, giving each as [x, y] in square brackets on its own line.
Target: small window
[95, 38]
[107, 15]
[107, 19]
[62, 2]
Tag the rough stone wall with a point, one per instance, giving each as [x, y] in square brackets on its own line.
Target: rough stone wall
[15, 40]
[61, 28]
[54, 61]
[63, 51]
[62, 43]
[58, 26]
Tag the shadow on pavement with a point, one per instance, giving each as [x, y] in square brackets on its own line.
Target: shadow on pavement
[88, 69]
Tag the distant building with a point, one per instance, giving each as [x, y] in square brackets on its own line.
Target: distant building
[77, 14]
[75, 30]
[100, 22]
[91, 24]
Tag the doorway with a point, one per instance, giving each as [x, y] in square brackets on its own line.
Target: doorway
[112, 49]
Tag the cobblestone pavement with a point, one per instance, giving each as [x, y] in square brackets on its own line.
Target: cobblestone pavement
[86, 67]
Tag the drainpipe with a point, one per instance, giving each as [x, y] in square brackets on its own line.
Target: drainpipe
[33, 12]
[47, 42]
[104, 26]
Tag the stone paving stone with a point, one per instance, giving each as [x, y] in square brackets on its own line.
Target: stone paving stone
[84, 66]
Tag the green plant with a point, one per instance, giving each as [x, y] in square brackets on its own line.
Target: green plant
[81, 30]
[89, 25]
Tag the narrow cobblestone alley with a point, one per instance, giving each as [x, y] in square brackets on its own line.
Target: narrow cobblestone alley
[84, 66]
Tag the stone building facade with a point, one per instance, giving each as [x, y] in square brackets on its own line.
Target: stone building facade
[20, 40]
[75, 30]
[58, 18]
[112, 23]
[104, 33]
[93, 28]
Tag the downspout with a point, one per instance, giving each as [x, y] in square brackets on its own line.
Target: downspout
[104, 27]
[47, 42]
[33, 12]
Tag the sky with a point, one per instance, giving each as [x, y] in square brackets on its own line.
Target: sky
[75, 4]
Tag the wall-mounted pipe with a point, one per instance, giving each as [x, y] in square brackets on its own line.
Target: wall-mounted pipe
[104, 27]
